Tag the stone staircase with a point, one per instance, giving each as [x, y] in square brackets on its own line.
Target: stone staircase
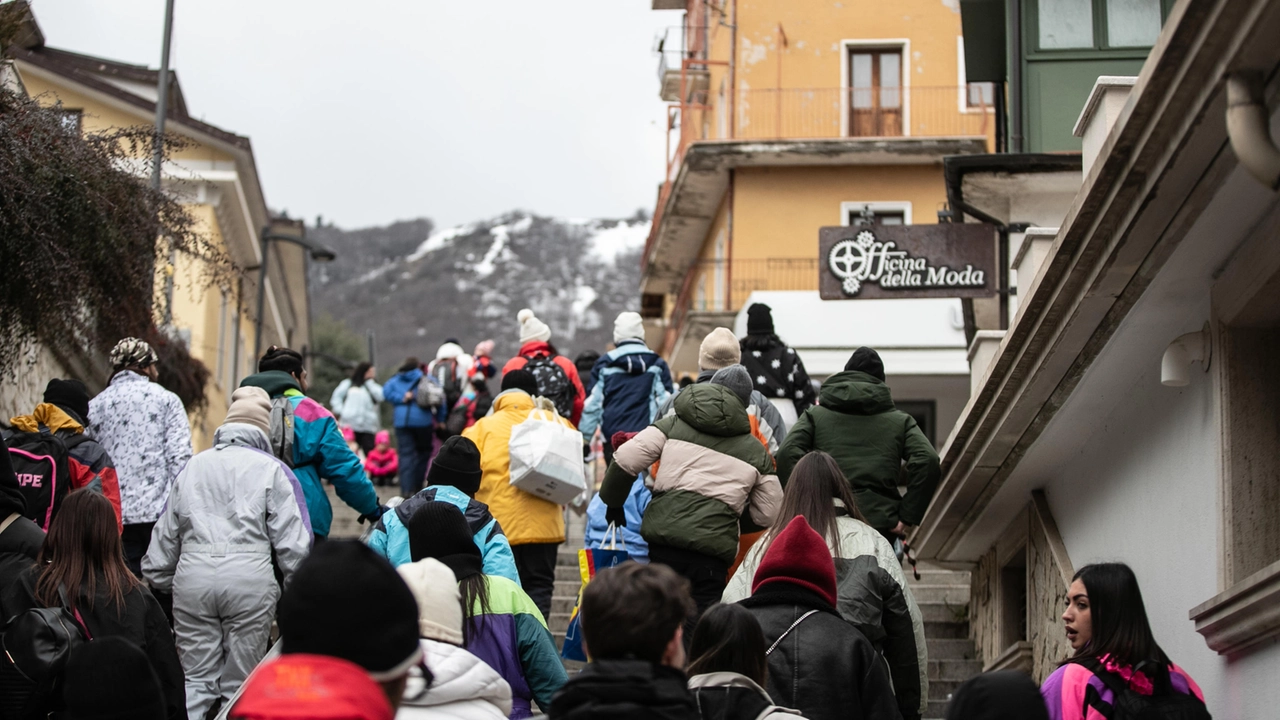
[568, 582]
[943, 597]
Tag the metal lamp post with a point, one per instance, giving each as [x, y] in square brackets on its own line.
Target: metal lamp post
[318, 253]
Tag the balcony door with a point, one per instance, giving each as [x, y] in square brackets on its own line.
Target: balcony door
[875, 92]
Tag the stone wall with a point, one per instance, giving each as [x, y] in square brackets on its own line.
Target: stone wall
[984, 607]
[1046, 597]
[22, 387]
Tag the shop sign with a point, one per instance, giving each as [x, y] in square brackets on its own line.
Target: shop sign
[907, 261]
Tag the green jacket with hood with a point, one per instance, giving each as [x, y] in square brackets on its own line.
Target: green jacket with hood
[857, 423]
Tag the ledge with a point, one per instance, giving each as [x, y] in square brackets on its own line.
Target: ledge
[1243, 616]
[1015, 657]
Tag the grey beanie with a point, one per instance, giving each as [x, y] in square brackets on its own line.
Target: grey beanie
[737, 379]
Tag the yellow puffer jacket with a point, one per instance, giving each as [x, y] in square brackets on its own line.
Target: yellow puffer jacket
[525, 518]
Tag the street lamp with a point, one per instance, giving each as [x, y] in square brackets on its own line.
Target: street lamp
[318, 253]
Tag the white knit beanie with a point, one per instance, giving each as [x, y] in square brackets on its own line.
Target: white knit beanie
[251, 406]
[628, 326]
[719, 349]
[435, 588]
[531, 328]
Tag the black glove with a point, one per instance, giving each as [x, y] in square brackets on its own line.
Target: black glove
[616, 515]
[586, 449]
[375, 516]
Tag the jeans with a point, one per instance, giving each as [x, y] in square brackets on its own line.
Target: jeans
[707, 578]
[136, 538]
[536, 563]
[414, 445]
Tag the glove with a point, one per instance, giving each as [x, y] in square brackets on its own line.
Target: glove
[616, 516]
[375, 516]
[586, 449]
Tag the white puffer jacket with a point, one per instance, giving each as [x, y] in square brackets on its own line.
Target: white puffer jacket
[464, 687]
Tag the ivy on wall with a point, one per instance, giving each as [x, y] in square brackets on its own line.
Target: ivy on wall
[81, 233]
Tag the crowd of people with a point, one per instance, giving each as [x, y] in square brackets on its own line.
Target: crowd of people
[763, 521]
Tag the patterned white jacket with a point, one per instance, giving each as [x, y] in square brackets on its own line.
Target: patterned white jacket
[144, 429]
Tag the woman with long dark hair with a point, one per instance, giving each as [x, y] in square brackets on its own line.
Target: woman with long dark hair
[500, 623]
[83, 561]
[1117, 658]
[355, 403]
[872, 591]
[729, 670]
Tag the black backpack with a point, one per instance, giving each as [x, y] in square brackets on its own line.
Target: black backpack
[33, 654]
[553, 384]
[446, 372]
[40, 462]
[1164, 703]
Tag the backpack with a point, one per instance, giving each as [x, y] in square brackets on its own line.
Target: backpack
[445, 372]
[40, 462]
[553, 383]
[428, 393]
[282, 429]
[1164, 703]
[458, 418]
[35, 650]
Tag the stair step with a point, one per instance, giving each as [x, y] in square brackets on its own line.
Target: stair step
[936, 577]
[950, 648]
[941, 689]
[959, 670]
[566, 588]
[938, 629]
[946, 612]
[936, 709]
[567, 556]
[952, 594]
[563, 605]
[567, 572]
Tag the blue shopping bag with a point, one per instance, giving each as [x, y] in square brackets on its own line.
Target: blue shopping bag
[591, 561]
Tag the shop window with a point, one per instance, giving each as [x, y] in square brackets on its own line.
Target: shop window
[1098, 24]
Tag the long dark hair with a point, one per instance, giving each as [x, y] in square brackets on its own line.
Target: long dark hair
[762, 342]
[410, 363]
[82, 554]
[357, 375]
[728, 638]
[1118, 617]
[816, 483]
[475, 594]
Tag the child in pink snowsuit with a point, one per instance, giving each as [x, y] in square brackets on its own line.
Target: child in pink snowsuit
[383, 462]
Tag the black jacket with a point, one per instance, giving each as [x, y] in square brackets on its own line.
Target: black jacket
[824, 667]
[19, 545]
[622, 690]
[140, 621]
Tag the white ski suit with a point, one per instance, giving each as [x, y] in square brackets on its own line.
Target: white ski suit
[229, 508]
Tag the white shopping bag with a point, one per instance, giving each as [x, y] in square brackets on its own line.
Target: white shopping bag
[546, 458]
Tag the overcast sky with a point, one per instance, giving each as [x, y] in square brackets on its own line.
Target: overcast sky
[373, 111]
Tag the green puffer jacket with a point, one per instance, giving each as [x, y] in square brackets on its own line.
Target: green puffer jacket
[856, 422]
[710, 470]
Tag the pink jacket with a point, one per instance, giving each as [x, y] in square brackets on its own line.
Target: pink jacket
[1064, 691]
[381, 463]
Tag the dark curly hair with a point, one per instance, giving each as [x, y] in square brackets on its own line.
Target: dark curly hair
[279, 358]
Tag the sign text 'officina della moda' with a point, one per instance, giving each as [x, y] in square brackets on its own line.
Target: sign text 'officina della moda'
[907, 261]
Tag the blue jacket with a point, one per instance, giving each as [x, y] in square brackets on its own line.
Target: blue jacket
[631, 381]
[410, 414]
[634, 506]
[319, 452]
[390, 536]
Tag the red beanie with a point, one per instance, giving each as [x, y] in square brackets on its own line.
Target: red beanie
[798, 556]
[311, 687]
[620, 438]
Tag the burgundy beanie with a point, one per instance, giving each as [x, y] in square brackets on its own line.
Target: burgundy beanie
[801, 557]
[620, 438]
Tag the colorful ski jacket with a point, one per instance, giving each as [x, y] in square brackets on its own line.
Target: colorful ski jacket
[408, 413]
[390, 536]
[319, 452]
[712, 471]
[538, 347]
[89, 464]
[513, 639]
[628, 385]
[144, 429]
[382, 463]
[1065, 690]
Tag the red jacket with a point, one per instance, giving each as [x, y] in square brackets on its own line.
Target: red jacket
[538, 347]
[87, 461]
[382, 463]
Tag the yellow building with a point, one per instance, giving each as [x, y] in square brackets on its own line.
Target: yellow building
[217, 179]
[786, 116]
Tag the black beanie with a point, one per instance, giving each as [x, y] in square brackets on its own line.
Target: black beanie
[345, 601]
[1001, 695]
[759, 319]
[457, 464]
[111, 679]
[439, 530]
[520, 380]
[70, 395]
[868, 361]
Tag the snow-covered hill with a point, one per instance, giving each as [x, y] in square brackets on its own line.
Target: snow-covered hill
[416, 286]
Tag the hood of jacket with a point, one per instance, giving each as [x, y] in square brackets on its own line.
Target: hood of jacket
[625, 689]
[409, 376]
[275, 382]
[460, 677]
[632, 358]
[855, 393]
[449, 351]
[731, 695]
[241, 434]
[536, 347]
[515, 400]
[49, 415]
[713, 409]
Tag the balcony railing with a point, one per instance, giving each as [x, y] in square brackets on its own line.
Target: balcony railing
[720, 285]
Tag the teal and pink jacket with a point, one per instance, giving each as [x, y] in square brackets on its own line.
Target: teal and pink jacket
[1065, 690]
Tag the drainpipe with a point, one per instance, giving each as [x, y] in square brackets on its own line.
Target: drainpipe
[733, 74]
[1014, 31]
[1003, 251]
[728, 251]
[1248, 127]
